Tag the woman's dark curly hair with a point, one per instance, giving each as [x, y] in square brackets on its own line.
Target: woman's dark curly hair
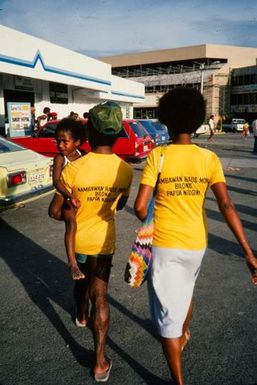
[77, 129]
[182, 110]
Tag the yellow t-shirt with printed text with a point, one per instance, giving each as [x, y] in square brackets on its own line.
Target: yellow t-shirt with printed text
[98, 181]
[179, 215]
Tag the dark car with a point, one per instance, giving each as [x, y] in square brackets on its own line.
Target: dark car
[148, 125]
[162, 132]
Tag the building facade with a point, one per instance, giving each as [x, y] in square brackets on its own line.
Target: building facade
[243, 95]
[46, 75]
[206, 67]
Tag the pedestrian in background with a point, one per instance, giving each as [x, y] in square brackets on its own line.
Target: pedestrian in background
[254, 127]
[101, 182]
[33, 119]
[47, 115]
[180, 228]
[245, 131]
[74, 115]
[211, 127]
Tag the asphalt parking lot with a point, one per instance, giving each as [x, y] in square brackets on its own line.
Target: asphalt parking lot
[39, 344]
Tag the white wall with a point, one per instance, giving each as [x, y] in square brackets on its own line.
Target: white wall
[79, 100]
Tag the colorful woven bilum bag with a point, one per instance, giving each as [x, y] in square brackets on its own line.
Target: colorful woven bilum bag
[141, 251]
[139, 261]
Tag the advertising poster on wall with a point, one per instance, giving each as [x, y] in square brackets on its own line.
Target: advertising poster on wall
[19, 117]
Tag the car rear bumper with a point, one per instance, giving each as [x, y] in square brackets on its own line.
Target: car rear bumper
[20, 200]
[136, 158]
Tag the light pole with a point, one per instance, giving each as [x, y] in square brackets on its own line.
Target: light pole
[201, 71]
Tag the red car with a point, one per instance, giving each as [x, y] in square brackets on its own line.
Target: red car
[133, 145]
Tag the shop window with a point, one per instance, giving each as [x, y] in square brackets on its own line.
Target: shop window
[58, 93]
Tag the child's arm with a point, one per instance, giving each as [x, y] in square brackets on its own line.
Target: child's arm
[57, 170]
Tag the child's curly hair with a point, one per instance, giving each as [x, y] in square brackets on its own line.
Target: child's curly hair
[77, 129]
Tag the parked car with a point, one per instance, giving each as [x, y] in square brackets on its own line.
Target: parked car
[148, 125]
[236, 125]
[162, 132]
[24, 175]
[134, 142]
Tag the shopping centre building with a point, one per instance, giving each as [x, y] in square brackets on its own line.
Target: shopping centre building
[41, 74]
[226, 75]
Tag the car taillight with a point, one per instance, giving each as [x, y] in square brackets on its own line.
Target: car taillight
[16, 178]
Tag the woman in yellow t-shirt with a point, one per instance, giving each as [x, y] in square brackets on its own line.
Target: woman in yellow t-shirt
[180, 228]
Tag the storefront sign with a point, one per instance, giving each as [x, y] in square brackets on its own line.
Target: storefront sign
[22, 83]
[19, 117]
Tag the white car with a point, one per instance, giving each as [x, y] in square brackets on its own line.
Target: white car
[24, 175]
[237, 124]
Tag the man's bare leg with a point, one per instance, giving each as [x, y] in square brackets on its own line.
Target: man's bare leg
[100, 314]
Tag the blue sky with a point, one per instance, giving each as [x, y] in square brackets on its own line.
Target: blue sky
[113, 27]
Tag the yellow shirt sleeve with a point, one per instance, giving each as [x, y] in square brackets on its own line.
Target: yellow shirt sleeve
[217, 174]
[150, 171]
[130, 178]
[67, 177]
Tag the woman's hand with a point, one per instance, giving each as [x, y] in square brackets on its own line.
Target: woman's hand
[252, 265]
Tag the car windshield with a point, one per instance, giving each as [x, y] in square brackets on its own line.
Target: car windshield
[238, 121]
[148, 126]
[159, 126]
[48, 131]
[145, 123]
[138, 129]
[6, 146]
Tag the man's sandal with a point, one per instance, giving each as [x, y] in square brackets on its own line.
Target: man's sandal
[104, 377]
[80, 324]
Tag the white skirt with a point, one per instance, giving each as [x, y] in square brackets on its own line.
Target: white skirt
[171, 284]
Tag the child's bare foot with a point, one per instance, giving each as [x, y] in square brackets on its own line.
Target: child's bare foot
[76, 273]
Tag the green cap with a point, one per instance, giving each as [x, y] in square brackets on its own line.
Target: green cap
[106, 118]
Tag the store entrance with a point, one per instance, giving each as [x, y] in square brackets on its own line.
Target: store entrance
[15, 96]
[18, 96]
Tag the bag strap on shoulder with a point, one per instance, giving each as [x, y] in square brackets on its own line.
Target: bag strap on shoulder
[160, 165]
